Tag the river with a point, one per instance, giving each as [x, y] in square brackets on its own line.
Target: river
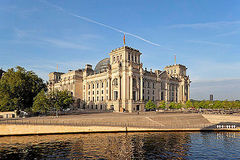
[165, 145]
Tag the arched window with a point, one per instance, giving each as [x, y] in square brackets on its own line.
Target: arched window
[115, 82]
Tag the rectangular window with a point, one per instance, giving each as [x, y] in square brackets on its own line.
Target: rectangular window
[93, 86]
[162, 96]
[89, 86]
[102, 91]
[97, 85]
[115, 95]
[93, 92]
[102, 98]
[102, 85]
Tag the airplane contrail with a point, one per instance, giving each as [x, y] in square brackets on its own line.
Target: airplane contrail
[104, 25]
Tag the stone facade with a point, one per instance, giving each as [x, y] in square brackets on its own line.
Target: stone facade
[120, 83]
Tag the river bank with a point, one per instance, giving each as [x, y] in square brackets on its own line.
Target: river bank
[119, 122]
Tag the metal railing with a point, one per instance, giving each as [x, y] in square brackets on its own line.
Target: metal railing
[171, 125]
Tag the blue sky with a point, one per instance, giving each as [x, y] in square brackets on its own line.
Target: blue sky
[205, 36]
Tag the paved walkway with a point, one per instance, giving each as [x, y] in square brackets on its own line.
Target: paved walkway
[160, 120]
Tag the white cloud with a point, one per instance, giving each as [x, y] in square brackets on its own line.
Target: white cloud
[210, 43]
[30, 36]
[234, 32]
[65, 44]
[212, 25]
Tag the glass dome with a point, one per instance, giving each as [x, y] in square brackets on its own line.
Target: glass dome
[102, 65]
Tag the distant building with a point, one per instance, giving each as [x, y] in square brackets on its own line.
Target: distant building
[211, 97]
[120, 83]
[10, 114]
[1, 73]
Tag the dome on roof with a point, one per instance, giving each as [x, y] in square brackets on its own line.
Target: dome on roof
[102, 65]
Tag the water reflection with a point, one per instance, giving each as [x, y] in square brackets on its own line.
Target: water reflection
[169, 145]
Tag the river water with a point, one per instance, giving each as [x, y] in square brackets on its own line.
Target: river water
[168, 145]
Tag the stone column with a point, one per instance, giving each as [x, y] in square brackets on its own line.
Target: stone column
[167, 92]
[119, 88]
[141, 88]
[131, 87]
[104, 90]
[100, 90]
[138, 89]
[183, 92]
[109, 89]
[86, 92]
[175, 89]
[188, 92]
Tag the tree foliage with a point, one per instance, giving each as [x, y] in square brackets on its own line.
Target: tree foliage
[162, 105]
[172, 105]
[60, 100]
[216, 104]
[189, 104]
[41, 103]
[18, 87]
[150, 105]
[53, 101]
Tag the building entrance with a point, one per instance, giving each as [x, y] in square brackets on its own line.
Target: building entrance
[137, 108]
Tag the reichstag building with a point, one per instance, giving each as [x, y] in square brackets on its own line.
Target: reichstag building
[120, 83]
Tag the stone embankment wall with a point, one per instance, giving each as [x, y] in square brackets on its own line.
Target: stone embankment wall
[15, 130]
[215, 119]
[11, 129]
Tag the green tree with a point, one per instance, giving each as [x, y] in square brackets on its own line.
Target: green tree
[162, 105]
[41, 103]
[172, 105]
[178, 105]
[18, 87]
[150, 105]
[189, 104]
[60, 100]
[217, 105]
